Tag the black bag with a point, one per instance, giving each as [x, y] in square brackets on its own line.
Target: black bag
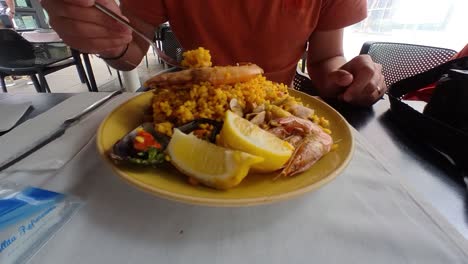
[443, 125]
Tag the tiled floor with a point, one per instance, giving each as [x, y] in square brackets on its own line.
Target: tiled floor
[67, 80]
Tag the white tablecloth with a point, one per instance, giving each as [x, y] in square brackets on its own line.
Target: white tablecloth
[366, 215]
[10, 114]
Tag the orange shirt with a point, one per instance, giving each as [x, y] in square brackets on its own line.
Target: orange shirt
[270, 33]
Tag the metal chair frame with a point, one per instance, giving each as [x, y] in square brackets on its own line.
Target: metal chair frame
[24, 50]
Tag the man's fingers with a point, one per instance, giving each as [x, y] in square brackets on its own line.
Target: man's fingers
[59, 9]
[83, 3]
[96, 46]
[380, 90]
[378, 67]
[377, 91]
[341, 78]
[382, 85]
[111, 5]
[70, 28]
[362, 77]
[368, 84]
[377, 81]
[86, 28]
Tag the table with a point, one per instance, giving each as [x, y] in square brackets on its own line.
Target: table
[41, 103]
[431, 175]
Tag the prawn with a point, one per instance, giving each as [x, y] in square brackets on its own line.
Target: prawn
[310, 141]
[215, 75]
[289, 125]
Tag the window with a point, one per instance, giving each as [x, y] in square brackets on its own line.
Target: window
[23, 21]
[439, 23]
[30, 15]
[23, 3]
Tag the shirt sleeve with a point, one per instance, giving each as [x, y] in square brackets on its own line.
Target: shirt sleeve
[151, 11]
[336, 14]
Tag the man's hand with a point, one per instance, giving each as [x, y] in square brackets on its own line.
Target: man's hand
[359, 82]
[11, 8]
[87, 29]
[11, 13]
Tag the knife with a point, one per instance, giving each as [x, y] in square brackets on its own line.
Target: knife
[55, 133]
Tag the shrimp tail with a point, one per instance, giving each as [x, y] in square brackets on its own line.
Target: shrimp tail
[308, 151]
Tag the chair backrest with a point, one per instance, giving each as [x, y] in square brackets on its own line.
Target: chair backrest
[14, 48]
[400, 60]
[170, 44]
[303, 83]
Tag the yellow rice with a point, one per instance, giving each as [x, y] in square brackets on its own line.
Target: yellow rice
[176, 107]
[197, 58]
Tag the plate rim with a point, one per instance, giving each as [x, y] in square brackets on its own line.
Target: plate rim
[213, 202]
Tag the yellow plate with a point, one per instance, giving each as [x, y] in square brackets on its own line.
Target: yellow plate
[255, 189]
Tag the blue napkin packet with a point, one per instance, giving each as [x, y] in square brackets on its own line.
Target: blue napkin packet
[28, 218]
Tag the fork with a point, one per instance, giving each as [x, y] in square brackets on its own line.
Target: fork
[119, 19]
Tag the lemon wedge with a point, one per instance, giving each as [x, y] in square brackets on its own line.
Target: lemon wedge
[208, 163]
[240, 134]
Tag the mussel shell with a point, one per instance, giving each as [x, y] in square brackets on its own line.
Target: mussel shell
[195, 124]
[124, 151]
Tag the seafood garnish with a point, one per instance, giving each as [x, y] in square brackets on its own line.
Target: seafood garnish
[278, 112]
[142, 146]
[235, 107]
[258, 109]
[258, 118]
[145, 146]
[195, 124]
[299, 110]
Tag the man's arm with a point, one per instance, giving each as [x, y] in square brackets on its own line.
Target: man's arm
[87, 29]
[325, 56]
[11, 5]
[359, 81]
[137, 48]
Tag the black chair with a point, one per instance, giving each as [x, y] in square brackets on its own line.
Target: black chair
[158, 39]
[303, 83]
[18, 57]
[169, 43]
[401, 60]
